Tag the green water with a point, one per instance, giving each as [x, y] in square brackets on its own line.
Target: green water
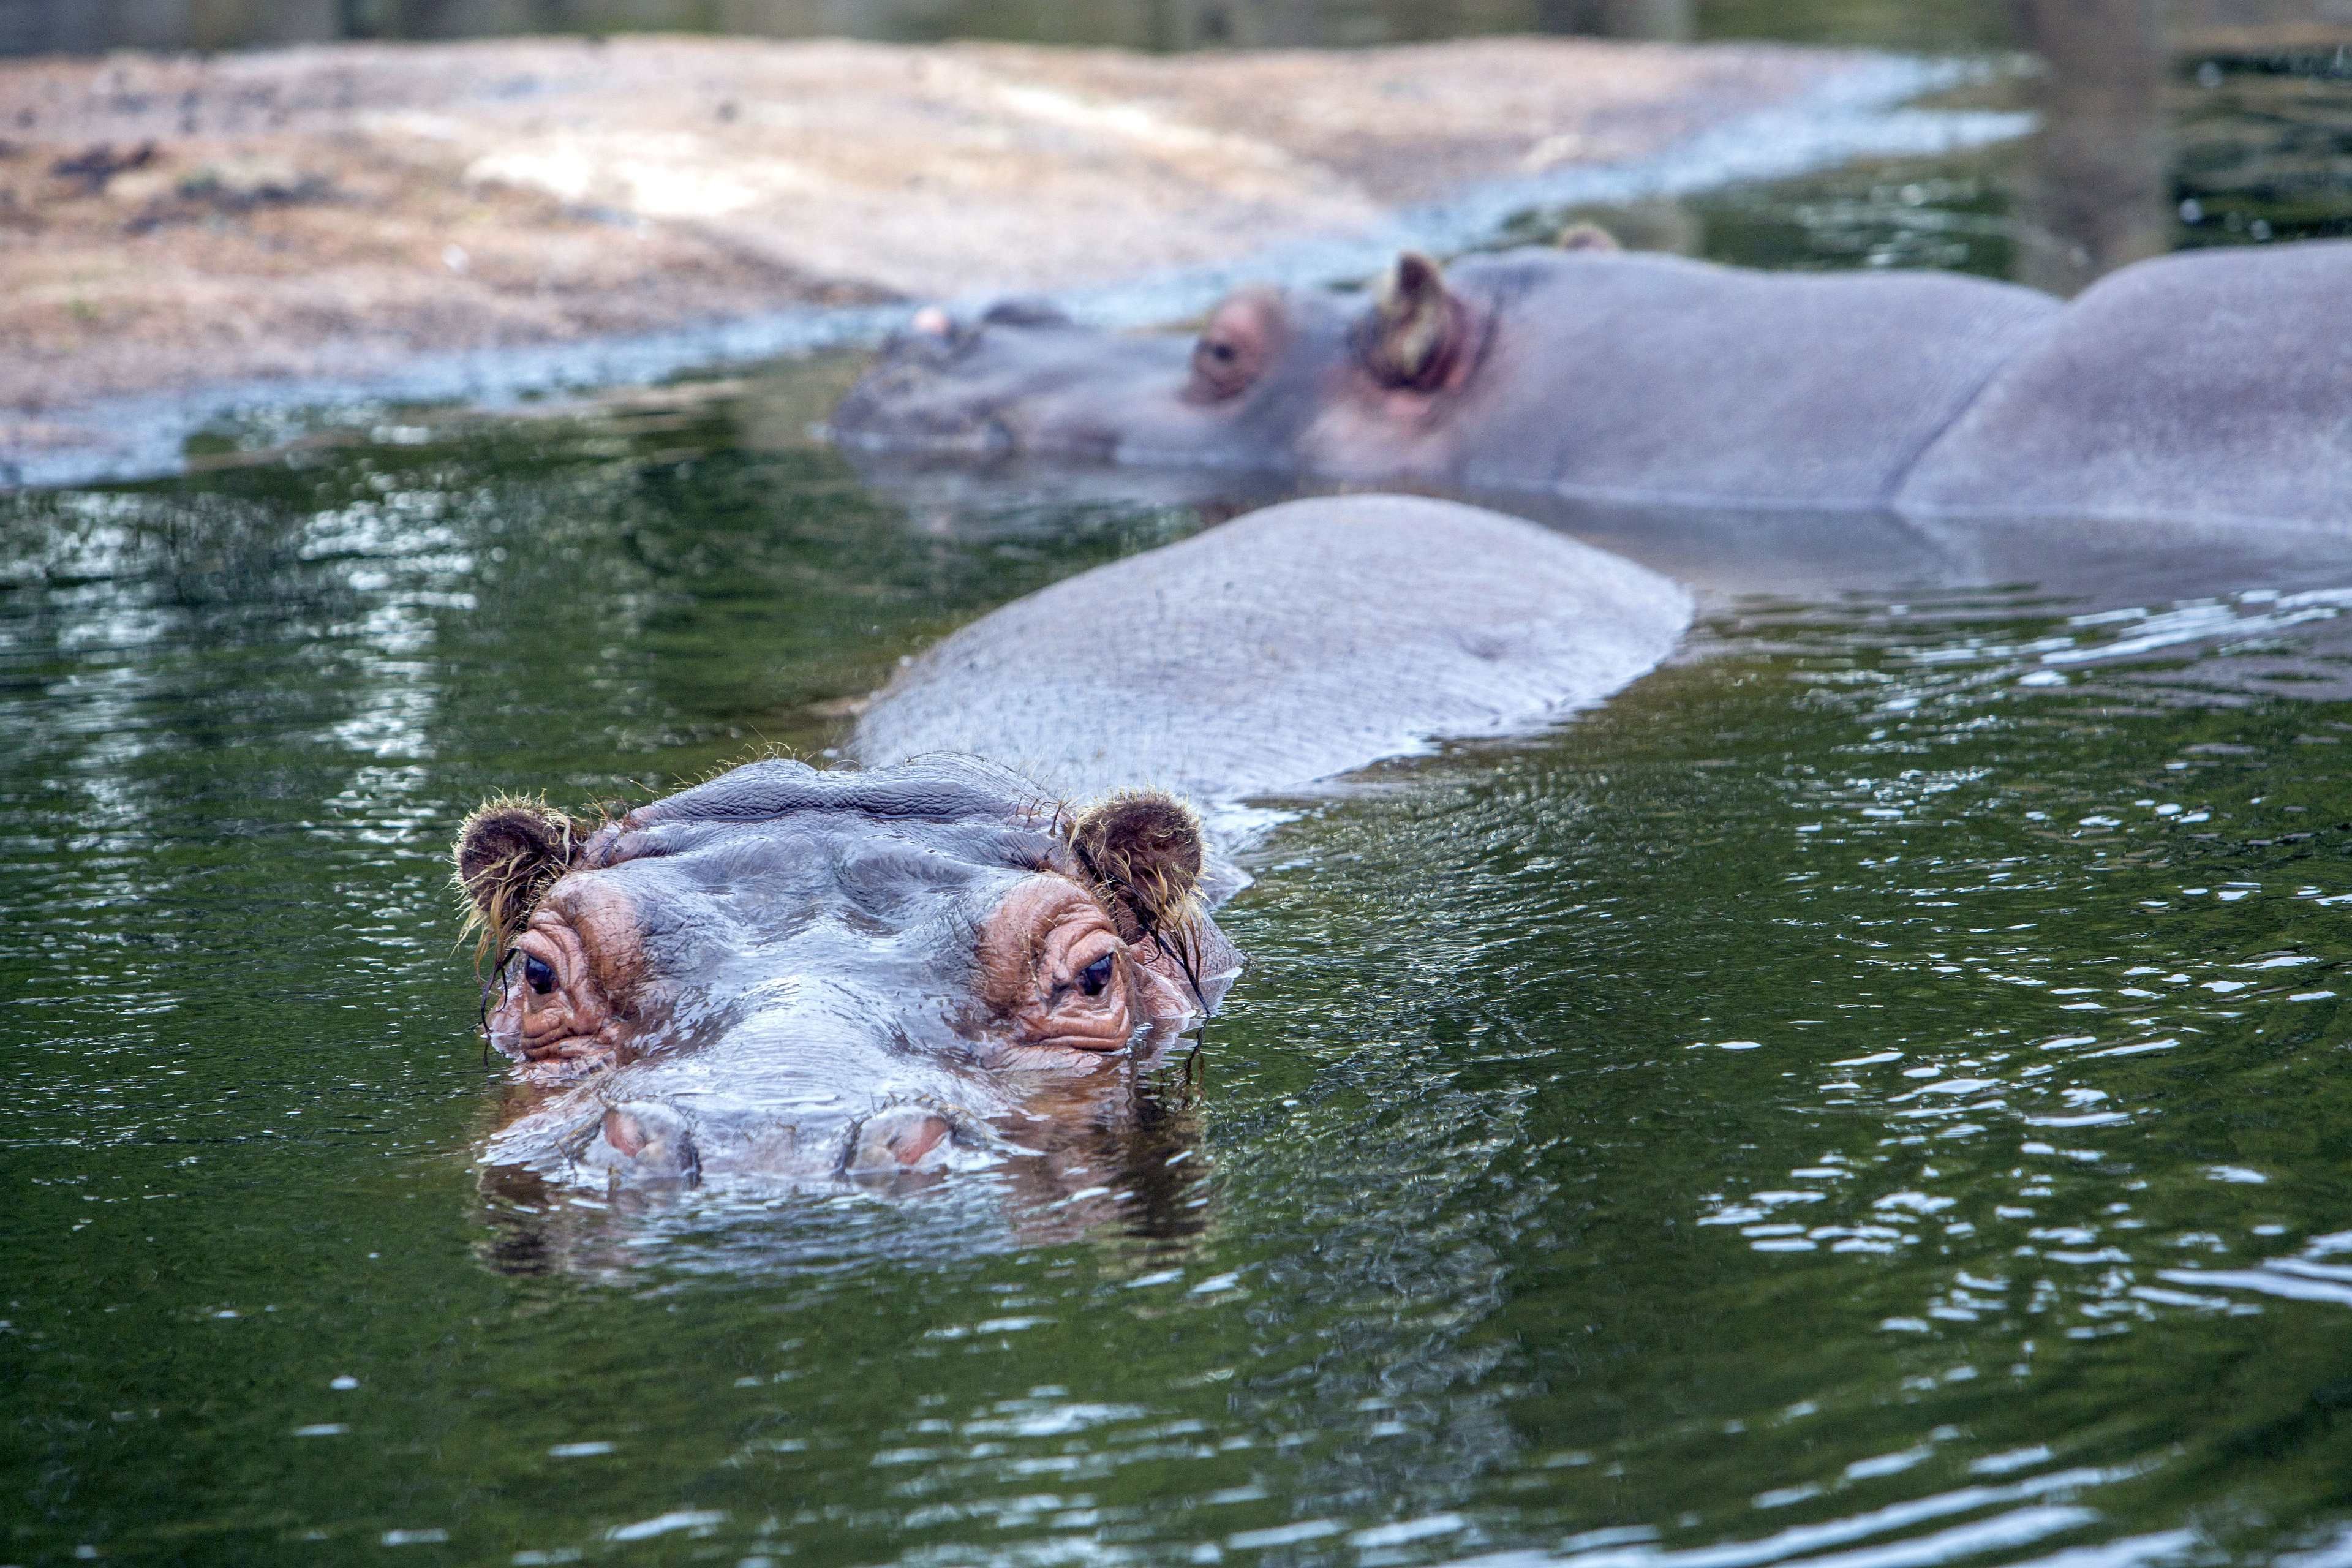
[1874, 1093]
[1829, 1100]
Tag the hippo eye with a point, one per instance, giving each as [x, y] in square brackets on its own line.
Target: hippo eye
[1220, 369]
[538, 973]
[1096, 975]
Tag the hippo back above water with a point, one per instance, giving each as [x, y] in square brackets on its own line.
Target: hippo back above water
[1284, 648]
[2215, 385]
[2195, 387]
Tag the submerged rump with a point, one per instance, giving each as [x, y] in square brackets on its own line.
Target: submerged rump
[2211, 384]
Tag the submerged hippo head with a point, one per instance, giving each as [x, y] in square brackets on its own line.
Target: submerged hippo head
[1278, 380]
[801, 973]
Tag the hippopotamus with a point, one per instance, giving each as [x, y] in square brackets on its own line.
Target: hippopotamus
[882, 971]
[799, 975]
[2206, 384]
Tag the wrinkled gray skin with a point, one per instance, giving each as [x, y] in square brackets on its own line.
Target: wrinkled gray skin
[1588, 373]
[780, 976]
[1284, 648]
[2212, 386]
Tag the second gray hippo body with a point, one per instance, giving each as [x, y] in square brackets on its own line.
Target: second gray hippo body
[2205, 385]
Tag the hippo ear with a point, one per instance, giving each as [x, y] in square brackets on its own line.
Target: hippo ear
[1144, 850]
[1586, 237]
[508, 851]
[1417, 329]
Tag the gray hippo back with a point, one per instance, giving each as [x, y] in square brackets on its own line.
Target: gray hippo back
[2214, 386]
[1651, 378]
[1284, 648]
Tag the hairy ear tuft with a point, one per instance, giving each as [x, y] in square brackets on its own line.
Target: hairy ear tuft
[1416, 327]
[510, 850]
[1586, 237]
[1143, 849]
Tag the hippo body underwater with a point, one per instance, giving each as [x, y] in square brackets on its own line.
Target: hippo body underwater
[803, 976]
[2206, 384]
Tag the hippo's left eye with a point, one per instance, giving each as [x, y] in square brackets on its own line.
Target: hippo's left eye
[539, 974]
[1096, 975]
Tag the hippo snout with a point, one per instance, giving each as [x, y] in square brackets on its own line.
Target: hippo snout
[912, 400]
[649, 1143]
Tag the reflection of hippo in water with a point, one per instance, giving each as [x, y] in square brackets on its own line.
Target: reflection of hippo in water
[2190, 387]
[797, 976]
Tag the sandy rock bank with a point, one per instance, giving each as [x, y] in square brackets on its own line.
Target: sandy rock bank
[172, 222]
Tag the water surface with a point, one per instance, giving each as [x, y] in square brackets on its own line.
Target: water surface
[1875, 1092]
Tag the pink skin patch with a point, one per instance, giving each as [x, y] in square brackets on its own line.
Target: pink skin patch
[901, 1136]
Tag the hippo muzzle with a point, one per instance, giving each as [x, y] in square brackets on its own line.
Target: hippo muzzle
[1024, 380]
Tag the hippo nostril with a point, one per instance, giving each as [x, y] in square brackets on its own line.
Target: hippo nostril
[1025, 310]
[898, 1139]
[655, 1137]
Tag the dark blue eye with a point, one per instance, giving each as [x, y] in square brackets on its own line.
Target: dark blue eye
[538, 973]
[1096, 975]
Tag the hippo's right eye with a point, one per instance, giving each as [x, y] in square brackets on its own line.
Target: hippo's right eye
[1222, 368]
[1096, 975]
[539, 974]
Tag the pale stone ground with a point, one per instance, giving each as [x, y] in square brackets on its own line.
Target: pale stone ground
[171, 222]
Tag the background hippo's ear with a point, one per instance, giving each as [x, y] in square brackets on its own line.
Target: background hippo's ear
[1416, 328]
[508, 851]
[1144, 850]
[1586, 237]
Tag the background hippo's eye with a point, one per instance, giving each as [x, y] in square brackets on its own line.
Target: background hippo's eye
[539, 974]
[1096, 975]
[1222, 368]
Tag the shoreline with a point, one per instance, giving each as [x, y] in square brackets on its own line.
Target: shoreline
[127, 410]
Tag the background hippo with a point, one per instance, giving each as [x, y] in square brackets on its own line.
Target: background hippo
[1586, 372]
[2192, 388]
[802, 975]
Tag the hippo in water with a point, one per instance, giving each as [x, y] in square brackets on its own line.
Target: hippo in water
[798, 975]
[803, 977]
[2189, 387]
[1587, 371]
